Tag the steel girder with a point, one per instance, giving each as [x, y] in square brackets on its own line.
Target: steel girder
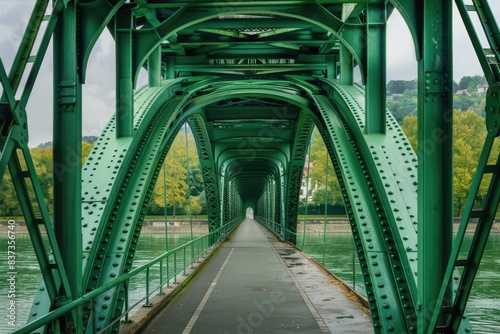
[378, 178]
[376, 172]
[15, 154]
[207, 163]
[119, 178]
[302, 136]
[448, 312]
[149, 38]
[392, 209]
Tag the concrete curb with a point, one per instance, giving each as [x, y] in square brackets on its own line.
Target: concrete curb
[145, 313]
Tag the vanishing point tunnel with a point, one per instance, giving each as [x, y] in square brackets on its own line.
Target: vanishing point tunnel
[252, 80]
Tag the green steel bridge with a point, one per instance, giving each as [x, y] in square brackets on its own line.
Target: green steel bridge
[252, 79]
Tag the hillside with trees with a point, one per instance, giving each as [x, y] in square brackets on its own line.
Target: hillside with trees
[179, 179]
[468, 94]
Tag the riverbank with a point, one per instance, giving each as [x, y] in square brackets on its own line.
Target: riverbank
[200, 227]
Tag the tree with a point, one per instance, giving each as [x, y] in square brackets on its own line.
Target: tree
[400, 86]
[318, 158]
[469, 134]
[181, 170]
[42, 160]
[86, 148]
[468, 81]
[410, 128]
[8, 197]
[404, 105]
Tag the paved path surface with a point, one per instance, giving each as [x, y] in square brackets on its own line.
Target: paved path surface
[256, 284]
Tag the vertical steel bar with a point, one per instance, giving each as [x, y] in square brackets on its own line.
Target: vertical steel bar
[326, 208]
[170, 66]
[125, 288]
[189, 193]
[168, 270]
[375, 101]
[331, 67]
[307, 194]
[175, 267]
[94, 314]
[184, 260]
[346, 66]
[165, 203]
[147, 304]
[161, 277]
[435, 151]
[67, 152]
[124, 76]
[154, 68]
[353, 272]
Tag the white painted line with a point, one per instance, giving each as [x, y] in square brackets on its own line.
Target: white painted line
[200, 308]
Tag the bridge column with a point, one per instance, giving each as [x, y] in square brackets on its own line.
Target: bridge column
[346, 66]
[375, 101]
[331, 70]
[67, 153]
[154, 68]
[435, 150]
[170, 65]
[124, 79]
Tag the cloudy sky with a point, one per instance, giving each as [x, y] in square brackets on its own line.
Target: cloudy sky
[99, 90]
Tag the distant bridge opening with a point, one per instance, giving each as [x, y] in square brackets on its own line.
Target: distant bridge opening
[249, 213]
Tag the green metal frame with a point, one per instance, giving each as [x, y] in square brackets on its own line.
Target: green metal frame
[252, 80]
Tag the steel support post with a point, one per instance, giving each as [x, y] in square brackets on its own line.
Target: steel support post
[331, 67]
[346, 66]
[154, 68]
[170, 66]
[67, 153]
[375, 101]
[435, 151]
[124, 79]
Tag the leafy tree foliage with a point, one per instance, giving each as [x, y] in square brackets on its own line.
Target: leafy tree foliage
[8, 198]
[400, 86]
[402, 97]
[42, 160]
[183, 176]
[469, 133]
[473, 82]
[403, 105]
[321, 165]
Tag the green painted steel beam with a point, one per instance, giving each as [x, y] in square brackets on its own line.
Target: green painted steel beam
[489, 58]
[27, 44]
[67, 147]
[124, 73]
[252, 126]
[205, 151]
[94, 16]
[350, 35]
[301, 140]
[283, 35]
[375, 108]
[154, 68]
[435, 152]
[242, 23]
[346, 67]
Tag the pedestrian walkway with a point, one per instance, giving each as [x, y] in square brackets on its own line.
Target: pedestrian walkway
[256, 284]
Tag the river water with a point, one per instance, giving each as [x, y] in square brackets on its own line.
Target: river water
[335, 251]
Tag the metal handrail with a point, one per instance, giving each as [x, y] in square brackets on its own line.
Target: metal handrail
[210, 239]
